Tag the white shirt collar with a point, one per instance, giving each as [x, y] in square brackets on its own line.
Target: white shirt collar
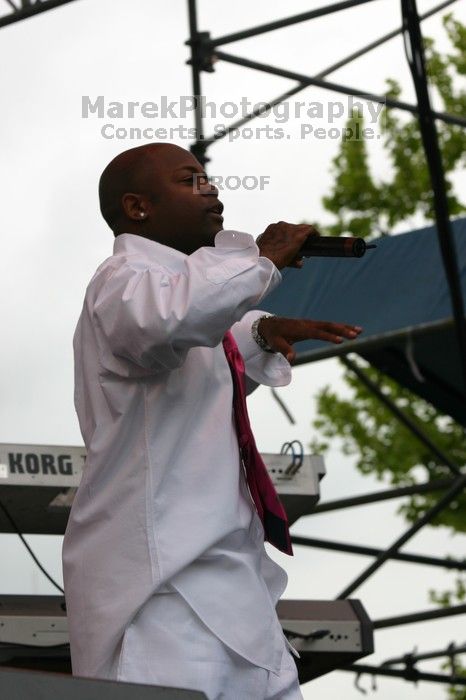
[130, 243]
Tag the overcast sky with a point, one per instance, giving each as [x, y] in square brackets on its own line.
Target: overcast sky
[53, 239]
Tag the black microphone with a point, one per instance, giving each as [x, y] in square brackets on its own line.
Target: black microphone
[334, 247]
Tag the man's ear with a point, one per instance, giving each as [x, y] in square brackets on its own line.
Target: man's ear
[135, 206]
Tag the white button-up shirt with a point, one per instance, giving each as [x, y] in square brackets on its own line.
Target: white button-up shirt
[163, 499]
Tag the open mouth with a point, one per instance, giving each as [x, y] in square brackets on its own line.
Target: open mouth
[217, 209]
[212, 212]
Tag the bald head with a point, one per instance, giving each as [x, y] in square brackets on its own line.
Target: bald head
[129, 171]
[160, 191]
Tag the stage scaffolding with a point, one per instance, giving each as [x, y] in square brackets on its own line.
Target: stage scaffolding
[206, 56]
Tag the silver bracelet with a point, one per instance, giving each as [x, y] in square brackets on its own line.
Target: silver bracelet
[257, 336]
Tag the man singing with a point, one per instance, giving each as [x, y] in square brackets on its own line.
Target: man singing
[167, 579]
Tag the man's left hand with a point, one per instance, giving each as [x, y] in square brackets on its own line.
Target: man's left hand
[280, 333]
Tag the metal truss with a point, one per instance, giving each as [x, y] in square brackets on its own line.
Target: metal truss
[23, 9]
[204, 55]
[374, 552]
[388, 494]
[410, 672]
[412, 675]
[411, 658]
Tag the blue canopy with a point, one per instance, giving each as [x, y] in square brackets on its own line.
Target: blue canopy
[399, 294]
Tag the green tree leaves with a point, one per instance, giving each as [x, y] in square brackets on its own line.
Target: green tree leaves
[365, 207]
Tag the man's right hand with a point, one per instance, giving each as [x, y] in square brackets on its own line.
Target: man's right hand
[281, 243]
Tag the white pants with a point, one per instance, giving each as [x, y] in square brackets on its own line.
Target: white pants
[167, 644]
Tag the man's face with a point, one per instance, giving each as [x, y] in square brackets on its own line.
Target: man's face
[185, 212]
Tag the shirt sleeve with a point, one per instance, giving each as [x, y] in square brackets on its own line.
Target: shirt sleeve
[152, 316]
[272, 369]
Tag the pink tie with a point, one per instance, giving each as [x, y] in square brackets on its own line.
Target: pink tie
[269, 507]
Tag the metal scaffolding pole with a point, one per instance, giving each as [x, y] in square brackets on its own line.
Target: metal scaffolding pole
[321, 74]
[419, 617]
[382, 40]
[415, 55]
[411, 658]
[286, 22]
[197, 61]
[28, 10]
[457, 487]
[375, 552]
[335, 87]
[376, 496]
[409, 674]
